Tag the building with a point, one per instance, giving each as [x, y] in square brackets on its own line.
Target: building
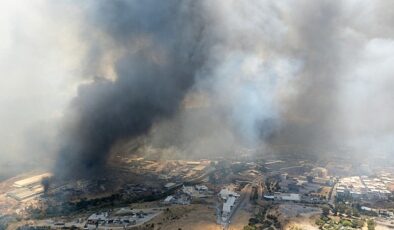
[31, 181]
[319, 172]
[169, 199]
[199, 168]
[287, 196]
[230, 199]
[323, 181]
[199, 191]
[228, 205]
[226, 193]
[169, 185]
[362, 188]
[269, 197]
[283, 176]
[28, 188]
[24, 194]
[201, 188]
[98, 216]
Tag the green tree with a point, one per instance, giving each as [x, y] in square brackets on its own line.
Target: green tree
[341, 208]
[371, 224]
[319, 222]
[357, 223]
[326, 211]
[356, 213]
[345, 223]
[349, 212]
[249, 227]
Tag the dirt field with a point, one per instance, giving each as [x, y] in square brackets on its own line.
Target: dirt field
[193, 217]
[301, 223]
[294, 216]
[240, 220]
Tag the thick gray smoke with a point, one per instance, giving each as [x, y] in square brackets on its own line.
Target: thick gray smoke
[159, 49]
[203, 78]
[337, 89]
[292, 77]
[209, 77]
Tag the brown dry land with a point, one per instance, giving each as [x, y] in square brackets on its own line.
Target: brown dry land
[193, 217]
[301, 223]
[240, 220]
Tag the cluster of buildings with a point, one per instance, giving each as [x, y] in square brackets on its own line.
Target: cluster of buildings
[197, 191]
[122, 218]
[184, 195]
[312, 186]
[363, 187]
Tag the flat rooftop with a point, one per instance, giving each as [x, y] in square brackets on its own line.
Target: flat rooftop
[31, 180]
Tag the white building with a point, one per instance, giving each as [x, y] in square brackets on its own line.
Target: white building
[31, 181]
[189, 190]
[169, 199]
[320, 172]
[287, 196]
[226, 193]
[98, 216]
[228, 205]
[201, 188]
[169, 185]
[230, 198]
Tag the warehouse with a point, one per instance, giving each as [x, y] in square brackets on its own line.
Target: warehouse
[31, 180]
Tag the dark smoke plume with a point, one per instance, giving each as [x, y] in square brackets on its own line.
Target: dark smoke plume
[199, 77]
[210, 77]
[159, 48]
[45, 182]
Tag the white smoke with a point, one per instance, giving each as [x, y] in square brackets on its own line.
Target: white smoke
[40, 58]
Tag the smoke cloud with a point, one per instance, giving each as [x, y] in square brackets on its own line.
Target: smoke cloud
[154, 63]
[204, 78]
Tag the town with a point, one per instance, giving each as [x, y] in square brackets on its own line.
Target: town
[224, 194]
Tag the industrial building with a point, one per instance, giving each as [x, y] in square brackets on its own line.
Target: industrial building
[228, 207]
[31, 181]
[287, 196]
[319, 172]
[230, 198]
[226, 193]
[28, 188]
[197, 191]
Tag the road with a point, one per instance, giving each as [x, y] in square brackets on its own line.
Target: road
[331, 200]
[244, 200]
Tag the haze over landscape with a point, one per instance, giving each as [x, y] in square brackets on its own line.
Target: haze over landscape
[88, 85]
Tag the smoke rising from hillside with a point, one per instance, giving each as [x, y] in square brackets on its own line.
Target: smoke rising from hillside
[204, 76]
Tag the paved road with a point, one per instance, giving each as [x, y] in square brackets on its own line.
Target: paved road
[331, 200]
[245, 199]
[242, 201]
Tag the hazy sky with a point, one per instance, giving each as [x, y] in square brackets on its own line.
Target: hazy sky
[40, 59]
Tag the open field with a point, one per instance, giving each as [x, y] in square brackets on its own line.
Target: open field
[240, 220]
[193, 217]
